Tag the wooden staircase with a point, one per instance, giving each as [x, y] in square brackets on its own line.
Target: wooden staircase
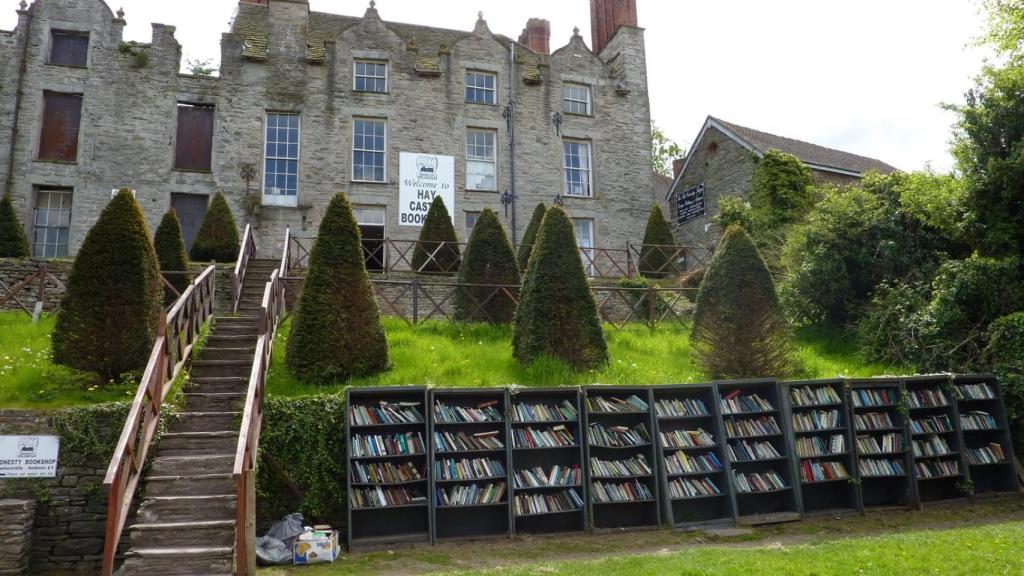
[186, 523]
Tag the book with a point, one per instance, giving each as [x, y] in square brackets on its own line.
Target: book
[445, 414]
[384, 497]
[555, 437]
[630, 491]
[557, 475]
[470, 494]
[990, 454]
[385, 472]
[744, 451]
[978, 421]
[937, 468]
[468, 469]
[870, 467]
[750, 427]
[817, 420]
[751, 482]
[385, 413]
[873, 421]
[927, 398]
[683, 463]
[461, 441]
[563, 412]
[687, 439]
[688, 407]
[536, 503]
[733, 403]
[885, 444]
[803, 396]
[812, 471]
[937, 424]
[635, 466]
[612, 404]
[866, 397]
[684, 488]
[818, 446]
[931, 446]
[975, 392]
[618, 436]
[401, 444]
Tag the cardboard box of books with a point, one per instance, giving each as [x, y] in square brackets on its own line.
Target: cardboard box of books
[316, 546]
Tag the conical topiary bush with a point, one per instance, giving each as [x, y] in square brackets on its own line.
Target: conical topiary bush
[170, 253]
[738, 327]
[489, 260]
[109, 315]
[557, 315]
[438, 249]
[337, 333]
[659, 247]
[530, 236]
[13, 243]
[218, 236]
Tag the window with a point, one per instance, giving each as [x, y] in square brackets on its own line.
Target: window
[194, 147]
[62, 114]
[481, 165]
[584, 228]
[480, 87]
[51, 222]
[576, 99]
[69, 48]
[576, 157]
[281, 160]
[368, 150]
[471, 218]
[370, 220]
[371, 76]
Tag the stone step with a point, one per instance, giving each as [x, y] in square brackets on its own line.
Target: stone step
[215, 402]
[196, 443]
[251, 333]
[193, 533]
[179, 561]
[234, 384]
[220, 368]
[233, 322]
[225, 353]
[205, 421]
[157, 509]
[221, 341]
[201, 485]
[195, 465]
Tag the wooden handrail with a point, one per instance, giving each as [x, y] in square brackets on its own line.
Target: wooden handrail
[177, 334]
[245, 253]
[285, 253]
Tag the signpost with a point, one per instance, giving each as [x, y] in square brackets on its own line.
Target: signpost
[28, 456]
[690, 205]
[424, 177]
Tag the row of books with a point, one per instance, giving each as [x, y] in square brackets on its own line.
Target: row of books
[817, 420]
[927, 398]
[555, 437]
[601, 404]
[687, 439]
[873, 421]
[991, 454]
[668, 408]
[681, 463]
[763, 426]
[558, 475]
[733, 403]
[531, 504]
[459, 441]
[635, 466]
[751, 482]
[385, 472]
[975, 392]
[814, 396]
[564, 412]
[386, 413]
[484, 412]
[817, 446]
[938, 468]
[934, 425]
[682, 488]
[872, 467]
[931, 446]
[749, 451]
[470, 494]
[465, 469]
[408, 443]
[978, 421]
[618, 436]
[885, 444]
[813, 471]
[380, 497]
[631, 491]
[875, 397]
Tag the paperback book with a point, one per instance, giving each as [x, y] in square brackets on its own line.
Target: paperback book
[745, 451]
[618, 436]
[386, 413]
[687, 439]
[536, 503]
[937, 424]
[385, 472]
[675, 407]
[466, 469]
[470, 494]
[631, 491]
[459, 441]
[635, 466]
[750, 427]
[864, 397]
[612, 404]
[751, 482]
[681, 463]
[803, 396]
[564, 412]
[684, 488]
[485, 412]
[556, 437]
[817, 420]
[382, 497]
[817, 446]
[734, 403]
[557, 475]
[368, 446]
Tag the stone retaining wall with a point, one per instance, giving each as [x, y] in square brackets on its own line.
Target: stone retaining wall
[16, 520]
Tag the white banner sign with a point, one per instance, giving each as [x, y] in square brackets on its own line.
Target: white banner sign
[424, 177]
[28, 456]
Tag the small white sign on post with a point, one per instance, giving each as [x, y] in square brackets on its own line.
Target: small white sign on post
[28, 456]
[424, 177]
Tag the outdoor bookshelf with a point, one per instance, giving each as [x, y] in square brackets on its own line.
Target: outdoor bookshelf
[988, 451]
[691, 451]
[547, 472]
[758, 455]
[882, 441]
[621, 476]
[936, 445]
[388, 481]
[469, 450]
[823, 444]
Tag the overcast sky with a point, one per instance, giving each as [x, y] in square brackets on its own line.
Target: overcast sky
[866, 77]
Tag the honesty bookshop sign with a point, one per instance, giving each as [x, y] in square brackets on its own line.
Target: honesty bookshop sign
[28, 456]
[690, 205]
[423, 178]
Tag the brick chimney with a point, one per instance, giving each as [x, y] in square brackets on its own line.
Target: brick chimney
[537, 35]
[677, 166]
[605, 18]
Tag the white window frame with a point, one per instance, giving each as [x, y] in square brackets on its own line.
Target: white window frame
[287, 200]
[383, 121]
[64, 194]
[493, 160]
[569, 99]
[588, 171]
[356, 76]
[588, 263]
[492, 91]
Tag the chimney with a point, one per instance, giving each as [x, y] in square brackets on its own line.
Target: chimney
[605, 18]
[263, 2]
[677, 166]
[537, 35]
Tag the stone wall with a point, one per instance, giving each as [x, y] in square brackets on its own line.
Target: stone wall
[16, 520]
[14, 271]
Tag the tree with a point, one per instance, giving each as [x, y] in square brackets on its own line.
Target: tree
[738, 327]
[438, 248]
[170, 253]
[781, 191]
[557, 316]
[489, 260]
[13, 243]
[663, 151]
[218, 236]
[1004, 357]
[337, 333]
[658, 251]
[108, 318]
[197, 67]
[530, 236]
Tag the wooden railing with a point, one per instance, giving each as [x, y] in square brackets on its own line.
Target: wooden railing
[272, 311]
[41, 276]
[177, 334]
[245, 253]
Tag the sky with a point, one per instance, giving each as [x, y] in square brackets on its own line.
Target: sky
[867, 77]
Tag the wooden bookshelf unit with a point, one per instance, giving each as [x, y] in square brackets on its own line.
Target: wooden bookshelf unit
[986, 432]
[940, 471]
[882, 442]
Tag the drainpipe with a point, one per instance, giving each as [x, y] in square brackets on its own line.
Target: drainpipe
[512, 133]
[22, 68]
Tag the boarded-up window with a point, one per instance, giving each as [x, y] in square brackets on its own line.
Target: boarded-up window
[69, 48]
[195, 138]
[62, 114]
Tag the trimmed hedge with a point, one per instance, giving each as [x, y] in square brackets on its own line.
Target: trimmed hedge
[557, 316]
[337, 334]
[530, 236]
[490, 260]
[13, 243]
[437, 235]
[218, 236]
[170, 253]
[656, 255]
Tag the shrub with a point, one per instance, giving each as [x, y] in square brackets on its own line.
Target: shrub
[170, 253]
[781, 191]
[657, 255]
[557, 316]
[13, 243]
[337, 334]
[733, 210]
[489, 259]
[738, 328]
[892, 330]
[691, 281]
[530, 236]
[109, 315]
[218, 236]
[1004, 357]
[438, 248]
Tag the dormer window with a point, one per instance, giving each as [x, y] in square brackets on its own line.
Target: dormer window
[69, 48]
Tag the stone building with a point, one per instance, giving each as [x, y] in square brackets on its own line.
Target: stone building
[721, 163]
[308, 104]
